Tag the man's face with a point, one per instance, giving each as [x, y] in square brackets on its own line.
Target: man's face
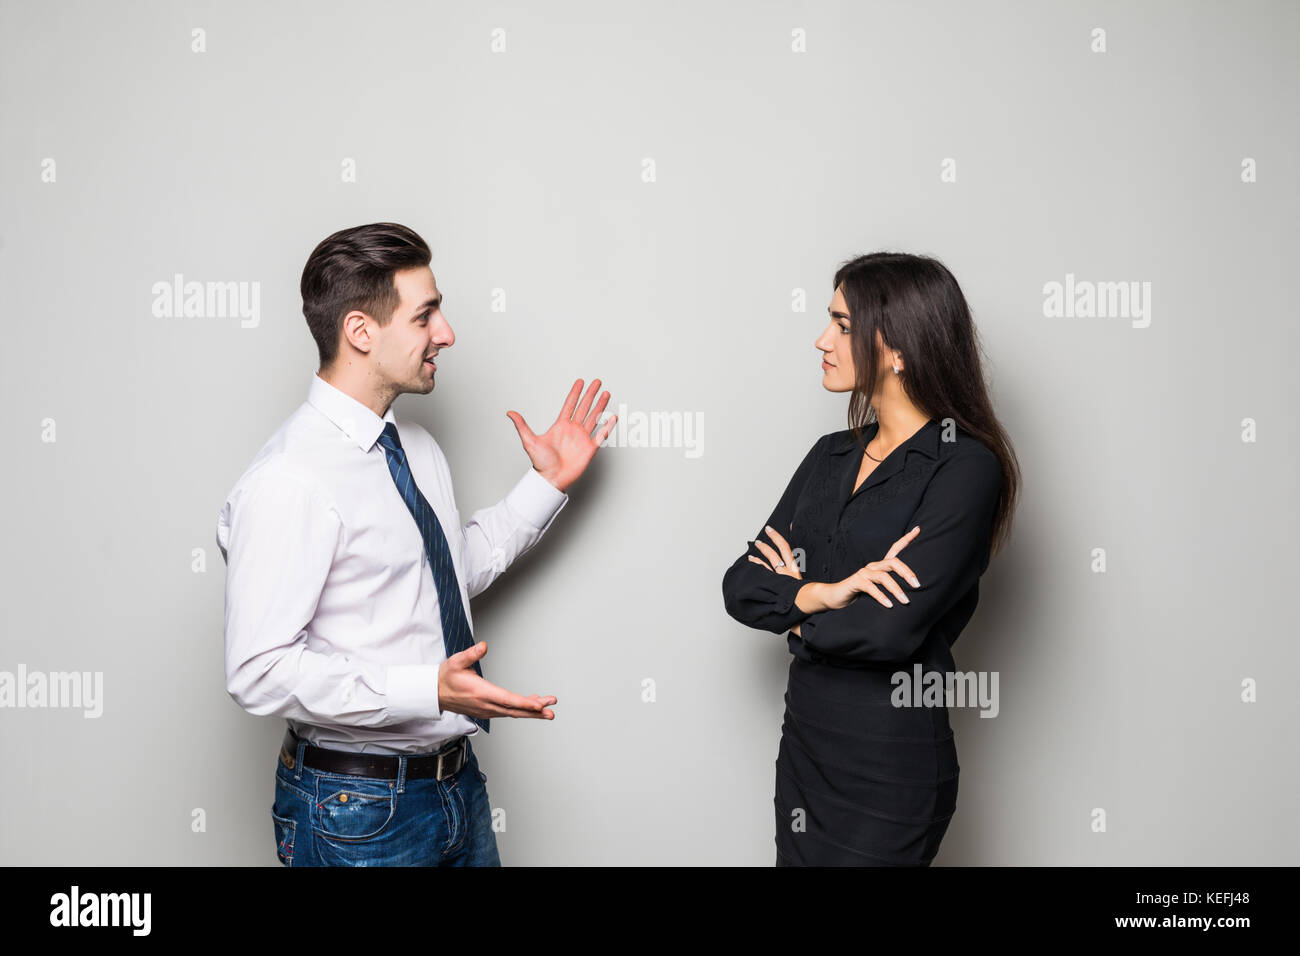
[405, 348]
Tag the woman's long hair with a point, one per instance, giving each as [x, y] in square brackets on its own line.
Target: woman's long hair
[918, 308]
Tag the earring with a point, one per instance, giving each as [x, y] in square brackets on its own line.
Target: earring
[896, 369]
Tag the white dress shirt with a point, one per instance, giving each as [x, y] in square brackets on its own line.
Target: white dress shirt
[332, 616]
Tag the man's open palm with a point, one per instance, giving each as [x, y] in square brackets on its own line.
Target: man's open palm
[561, 453]
[462, 691]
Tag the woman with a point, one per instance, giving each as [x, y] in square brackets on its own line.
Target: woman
[921, 486]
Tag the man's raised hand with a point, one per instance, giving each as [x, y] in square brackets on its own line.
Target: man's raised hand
[561, 453]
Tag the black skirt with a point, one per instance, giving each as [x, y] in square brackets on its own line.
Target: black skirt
[860, 782]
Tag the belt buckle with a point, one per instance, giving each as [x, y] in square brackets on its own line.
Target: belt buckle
[458, 749]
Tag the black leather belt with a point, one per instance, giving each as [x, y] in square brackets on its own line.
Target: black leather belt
[446, 762]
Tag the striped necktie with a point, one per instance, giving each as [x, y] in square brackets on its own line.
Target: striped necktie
[456, 635]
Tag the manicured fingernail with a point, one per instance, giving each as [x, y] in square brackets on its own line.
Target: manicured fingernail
[915, 583]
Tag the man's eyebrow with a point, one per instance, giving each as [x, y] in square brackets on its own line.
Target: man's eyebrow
[428, 304]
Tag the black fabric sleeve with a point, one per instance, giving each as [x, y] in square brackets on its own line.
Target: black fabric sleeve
[755, 595]
[948, 556]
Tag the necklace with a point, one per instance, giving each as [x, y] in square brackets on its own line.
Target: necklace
[874, 437]
[867, 453]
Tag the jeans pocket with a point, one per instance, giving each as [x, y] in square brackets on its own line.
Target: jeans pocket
[285, 830]
[350, 812]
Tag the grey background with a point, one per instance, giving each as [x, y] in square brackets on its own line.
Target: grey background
[523, 171]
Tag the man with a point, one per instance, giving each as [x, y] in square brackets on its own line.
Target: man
[349, 576]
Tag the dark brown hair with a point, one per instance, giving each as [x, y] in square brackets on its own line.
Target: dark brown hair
[919, 310]
[353, 270]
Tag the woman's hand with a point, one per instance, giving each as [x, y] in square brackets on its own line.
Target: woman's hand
[782, 561]
[870, 579]
[838, 594]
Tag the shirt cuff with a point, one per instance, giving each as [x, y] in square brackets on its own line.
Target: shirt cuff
[413, 691]
[536, 500]
[787, 589]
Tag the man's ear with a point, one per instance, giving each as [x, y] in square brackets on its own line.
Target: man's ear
[356, 329]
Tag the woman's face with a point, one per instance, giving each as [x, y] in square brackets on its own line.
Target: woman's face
[836, 345]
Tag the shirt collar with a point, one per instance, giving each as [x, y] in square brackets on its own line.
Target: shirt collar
[925, 440]
[355, 420]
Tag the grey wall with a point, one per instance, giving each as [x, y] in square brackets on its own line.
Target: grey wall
[1168, 442]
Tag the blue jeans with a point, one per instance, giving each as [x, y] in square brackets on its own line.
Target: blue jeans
[334, 819]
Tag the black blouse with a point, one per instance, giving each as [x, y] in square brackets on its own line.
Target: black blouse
[943, 479]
